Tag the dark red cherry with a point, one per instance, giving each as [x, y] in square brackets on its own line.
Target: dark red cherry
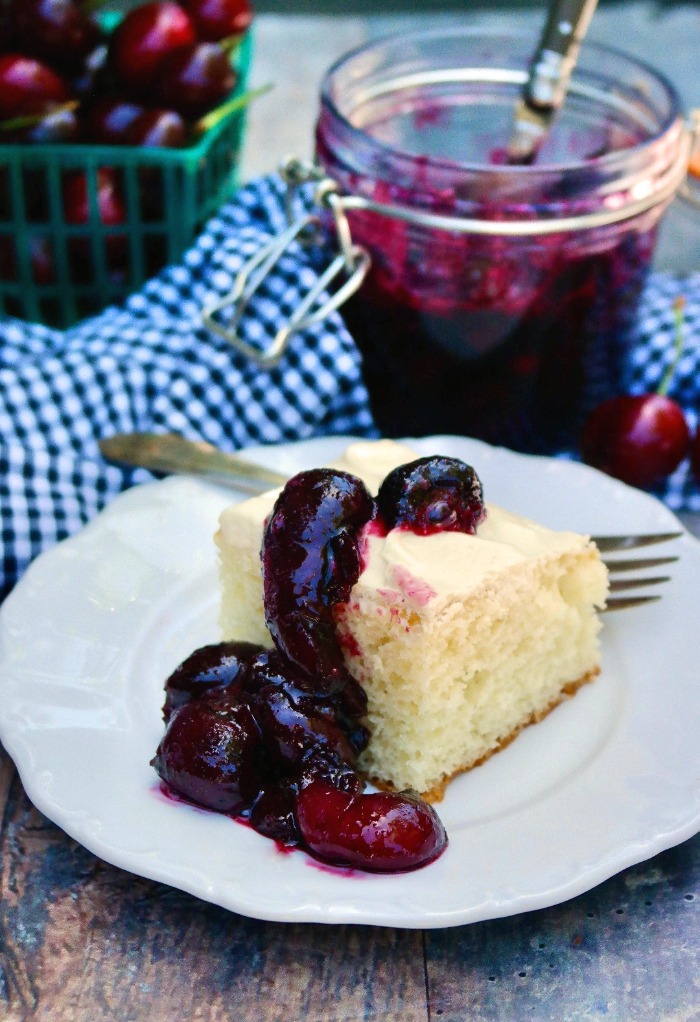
[161, 129]
[111, 211]
[110, 120]
[195, 79]
[433, 494]
[218, 19]
[274, 812]
[113, 121]
[28, 87]
[76, 200]
[638, 439]
[144, 38]
[57, 126]
[380, 832]
[311, 560]
[55, 31]
[207, 672]
[209, 755]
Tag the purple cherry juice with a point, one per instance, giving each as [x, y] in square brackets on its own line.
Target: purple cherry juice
[500, 299]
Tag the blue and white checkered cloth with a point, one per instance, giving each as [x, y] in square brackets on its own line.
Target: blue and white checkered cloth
[150, 365]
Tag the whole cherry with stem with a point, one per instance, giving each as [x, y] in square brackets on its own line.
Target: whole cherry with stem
[640, 439]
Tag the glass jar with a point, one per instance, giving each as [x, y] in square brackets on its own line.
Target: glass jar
[500, 299]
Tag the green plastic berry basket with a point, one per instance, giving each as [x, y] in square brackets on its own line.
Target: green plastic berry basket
[58, 272]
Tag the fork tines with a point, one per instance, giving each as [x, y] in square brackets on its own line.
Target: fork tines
[607, 543]
[630, 564]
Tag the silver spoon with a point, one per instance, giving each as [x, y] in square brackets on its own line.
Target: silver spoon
[550, 72]
[170, 453]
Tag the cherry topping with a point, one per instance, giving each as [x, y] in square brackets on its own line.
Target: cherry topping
[274, 812]
[311, 561]
[432, 494]
[209, 754]
[381, 832]
[290, 736]
[207, 672]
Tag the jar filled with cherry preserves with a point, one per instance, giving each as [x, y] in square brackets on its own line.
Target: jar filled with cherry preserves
[500, 297]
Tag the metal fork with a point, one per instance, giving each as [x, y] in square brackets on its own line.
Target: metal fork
[612, 544]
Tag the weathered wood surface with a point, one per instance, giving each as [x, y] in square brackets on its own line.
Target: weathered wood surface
[82, 941]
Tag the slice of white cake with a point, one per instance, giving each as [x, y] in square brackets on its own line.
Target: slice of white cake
[459, 640]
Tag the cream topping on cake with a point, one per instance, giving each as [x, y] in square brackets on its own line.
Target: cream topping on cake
[421, 569]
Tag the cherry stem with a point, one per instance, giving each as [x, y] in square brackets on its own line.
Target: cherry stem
[678, 307]
[29, 120]
[231, 43]
[214, 117]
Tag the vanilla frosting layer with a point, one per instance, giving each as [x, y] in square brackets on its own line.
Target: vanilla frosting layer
[418, 569]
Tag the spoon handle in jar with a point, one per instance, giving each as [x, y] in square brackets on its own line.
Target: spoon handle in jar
[548, 80]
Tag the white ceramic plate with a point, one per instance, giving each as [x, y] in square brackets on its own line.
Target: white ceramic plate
[97, 623]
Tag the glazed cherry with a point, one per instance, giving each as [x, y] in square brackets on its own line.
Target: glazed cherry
[218, 19]
[343, 700]
[290, 735]
[144, 38]
[209, 754]
[311, 560]
[638, 439]
[195, 79]
[274, 812]
[381, 832]
[55, 31]
[432, 494]
[207, 672]
[27, 86]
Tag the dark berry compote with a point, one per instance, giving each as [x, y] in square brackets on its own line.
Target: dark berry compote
[509, 337]
[273, 735]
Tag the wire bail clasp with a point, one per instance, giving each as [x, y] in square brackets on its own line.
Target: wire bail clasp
[349, 265]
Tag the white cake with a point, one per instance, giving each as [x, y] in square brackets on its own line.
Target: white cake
[459, 640]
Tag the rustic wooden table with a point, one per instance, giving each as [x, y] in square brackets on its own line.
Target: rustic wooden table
[82, 941]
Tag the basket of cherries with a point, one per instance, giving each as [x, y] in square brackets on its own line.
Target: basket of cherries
[119, 138]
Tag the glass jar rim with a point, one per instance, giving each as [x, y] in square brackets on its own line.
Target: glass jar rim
[608, 161]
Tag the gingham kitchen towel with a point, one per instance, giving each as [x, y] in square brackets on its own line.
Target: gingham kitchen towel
[151, 365]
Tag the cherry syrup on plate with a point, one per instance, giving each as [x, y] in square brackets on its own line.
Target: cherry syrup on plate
[272, 736]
